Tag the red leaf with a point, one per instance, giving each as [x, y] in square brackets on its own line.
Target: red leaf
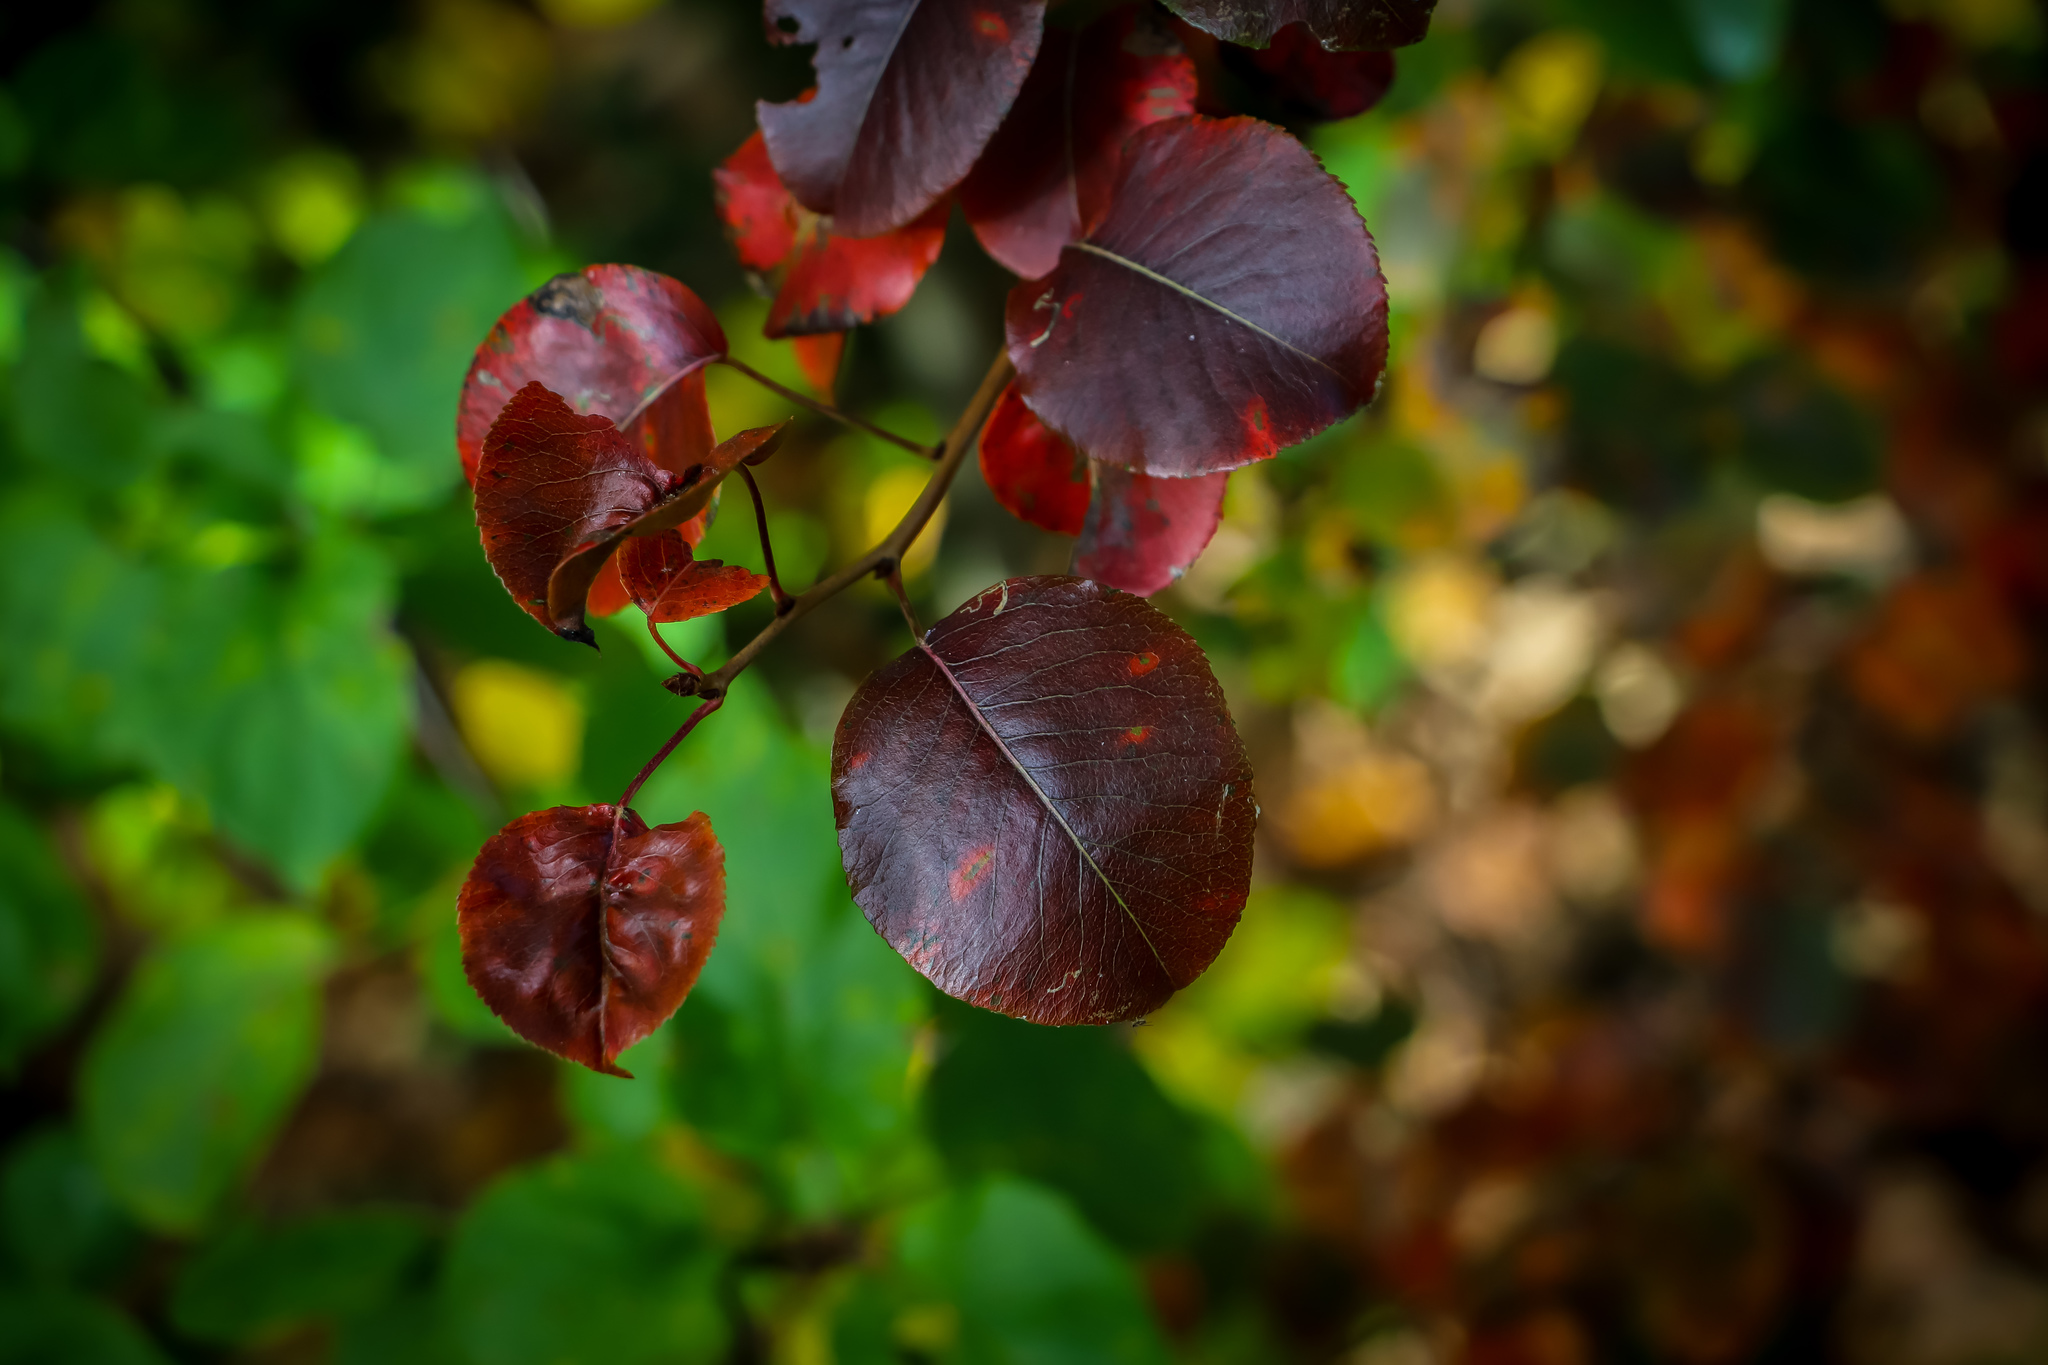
[1143, 532]
[1302, 80]
[1044, 806]
[583, 947]
[818, 357]
[1229, 304]
[557, 492]
[621, 342]
[1032, 472]
[908, 93]
[1341, 25]
[825, 282]
[1046, 176]
[667, 583]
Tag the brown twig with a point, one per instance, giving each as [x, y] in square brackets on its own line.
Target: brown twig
[782, 599]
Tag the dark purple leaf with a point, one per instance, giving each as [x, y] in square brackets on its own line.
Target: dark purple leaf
[1340, 25]
[1143, 532]
[908, 94]
[584, 947]
[1299, 79]
[1230, 304]
[1044, 806]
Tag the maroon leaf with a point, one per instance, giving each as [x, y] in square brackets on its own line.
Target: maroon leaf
[1143, 532]
[1044, 806]
[1032, 472]
[557, 492]
[583, 946]
[1341, 25]
[908, 93]
[615, 340]
[1301, 80]
[824, 282]
[668, 583]
[1229, 304]
[1045, 178]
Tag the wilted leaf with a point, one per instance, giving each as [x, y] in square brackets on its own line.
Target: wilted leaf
[49, 948]
[1045, 178]
[1300, 79]
[1341, 25]
[613, 340]
[908, 93]
[825, 282]
[1143, 532]
[1032, 472]
[1229, 304]
[669, 585]
[1044, 806]
[584, 947]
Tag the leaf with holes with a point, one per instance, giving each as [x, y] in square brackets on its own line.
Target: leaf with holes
[1046, 175]
[908, 93]
[668, 583]
[1044, 806]
[1298, 79]
[1143, 532]
[1340, 25]
[614, 340]
[1032, 472]
[584, 946]
[1229, 304]
[557, 492]
[824, 282]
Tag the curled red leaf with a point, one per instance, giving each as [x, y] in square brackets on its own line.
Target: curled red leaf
[908, 93]
[1300, 79]
[1229, 304]
[1045, 178]
[584, 946]
[1032, 472]
[669, 584]
[824, 281]
[1340, 25]
[1044, 806]
[623, 343]
[1142, 532]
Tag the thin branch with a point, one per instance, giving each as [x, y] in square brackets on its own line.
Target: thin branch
[782, 599]
[633, 788]
[884, 557]
[835, 413]
[895, 577]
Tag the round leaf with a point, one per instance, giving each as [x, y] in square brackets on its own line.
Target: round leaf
[1044, 806]
[1142, 532]
[1032, 472]
[1341, 25]
[1298, 78]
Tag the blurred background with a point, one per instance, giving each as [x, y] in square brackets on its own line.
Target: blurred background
[1648, 959]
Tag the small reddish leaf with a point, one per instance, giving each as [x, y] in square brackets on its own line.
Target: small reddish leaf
[615, 340]
[1230, 304]
[1143, 532]
[1341, 25]
[667, 583]
[1035, 823]
[1046, 176]
[818, 357]
[1300, 79]
[1032, 472]
[908, 93]
[824, 282]
[584, 947]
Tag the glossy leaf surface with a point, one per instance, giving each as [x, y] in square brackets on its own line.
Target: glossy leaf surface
[825, 282]
[1046, 176]
[1143, 532]
[613, 340]
[1300, 79]
[1229, 305]
[1044, 806]
[1032, 472]
[1340, 25]
[583, 947]
[667, 583]
[909, 92]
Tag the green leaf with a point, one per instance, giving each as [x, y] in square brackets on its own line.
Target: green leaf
[1029, 1281]
[199, 1063]
[49, 947]
[57, 1327]
[57, 1217]
[584, 1261]
[254, 1283]
[74, 413]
